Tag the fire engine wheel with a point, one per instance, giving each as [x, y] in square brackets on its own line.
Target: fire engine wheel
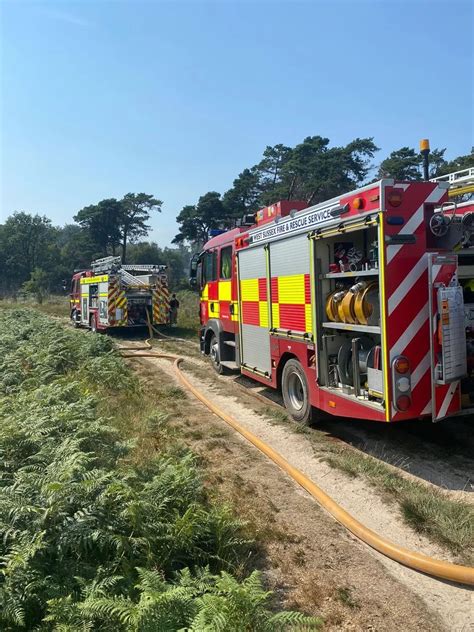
[93, 324]
[295, 392]
[215, 355]
[75, 319]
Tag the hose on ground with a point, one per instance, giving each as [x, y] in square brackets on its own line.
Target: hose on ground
[418, 561]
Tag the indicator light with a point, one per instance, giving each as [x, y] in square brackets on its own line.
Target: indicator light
[401, 365]
[358, 203]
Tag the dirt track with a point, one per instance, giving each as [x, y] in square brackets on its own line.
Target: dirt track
[316, 564]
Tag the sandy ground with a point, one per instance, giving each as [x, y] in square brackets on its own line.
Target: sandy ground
[317, 565]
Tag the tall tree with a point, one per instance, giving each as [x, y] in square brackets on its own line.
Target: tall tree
[136, 209]
[270, 170]
[461, 162]
[103, 222]
[406, 164]
[244, 196]
[176, 259]
[197, 220]
[401, 164]
[316, 172]
[27, 242]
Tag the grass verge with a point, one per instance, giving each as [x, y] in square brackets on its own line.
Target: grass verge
[426, 509]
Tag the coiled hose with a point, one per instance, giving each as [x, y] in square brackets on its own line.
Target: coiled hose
[412, 559]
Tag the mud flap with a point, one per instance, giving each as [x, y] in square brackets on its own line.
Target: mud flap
[447, 335]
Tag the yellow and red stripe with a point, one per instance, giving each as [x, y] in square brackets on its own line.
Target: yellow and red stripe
[290, 302]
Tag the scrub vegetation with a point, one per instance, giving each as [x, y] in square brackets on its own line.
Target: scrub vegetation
[104, 520]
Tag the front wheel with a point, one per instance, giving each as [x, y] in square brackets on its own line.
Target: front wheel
[215, 355]
[295, 391]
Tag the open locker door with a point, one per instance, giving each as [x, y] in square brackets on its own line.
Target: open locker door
[254, 330]
[447, 335]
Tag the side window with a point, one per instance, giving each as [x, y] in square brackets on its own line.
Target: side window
[93, 295]
[226, 263]
[210, 266]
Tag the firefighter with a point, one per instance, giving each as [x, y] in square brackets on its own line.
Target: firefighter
[174, 306]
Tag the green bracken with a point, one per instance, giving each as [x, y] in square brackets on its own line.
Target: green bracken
[90, 540]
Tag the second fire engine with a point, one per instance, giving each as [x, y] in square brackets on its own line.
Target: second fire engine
[111, 295]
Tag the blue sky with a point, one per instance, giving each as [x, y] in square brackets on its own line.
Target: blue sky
[99, 98]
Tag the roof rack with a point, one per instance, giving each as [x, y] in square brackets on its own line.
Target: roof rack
[460, 182]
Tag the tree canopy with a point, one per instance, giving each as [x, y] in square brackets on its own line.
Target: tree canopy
[38, 257]
[198, 219]
[312, 171]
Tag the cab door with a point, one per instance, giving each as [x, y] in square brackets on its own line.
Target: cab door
[85, 304]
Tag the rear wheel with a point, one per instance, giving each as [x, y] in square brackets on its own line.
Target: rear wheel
[295, 391]
[215, 354]
[93, 324]
[75, 318]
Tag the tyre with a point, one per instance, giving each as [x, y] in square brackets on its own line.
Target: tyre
[75, 320]
[93, 324]
[215, 355]
[295, 391]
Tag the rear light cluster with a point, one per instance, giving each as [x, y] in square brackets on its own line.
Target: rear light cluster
[401, 383]
[394, 198]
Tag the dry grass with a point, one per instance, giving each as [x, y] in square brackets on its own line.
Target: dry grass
[54, 305]
[426, 509]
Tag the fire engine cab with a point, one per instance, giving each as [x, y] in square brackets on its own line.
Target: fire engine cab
[111, 294]
[351, 306]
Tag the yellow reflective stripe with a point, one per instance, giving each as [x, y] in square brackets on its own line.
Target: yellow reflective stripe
[275, 315]
[383, 320]
[249, 290]
[106, 294]
[308, 314]
[225, 290]
[97, 279]
[291, 289]
[205, 293]
[263, 313]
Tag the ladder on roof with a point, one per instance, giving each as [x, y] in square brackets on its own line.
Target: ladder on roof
[106, 264]
[113, 265]
[145, 268]
[460, 182]
[129, 279]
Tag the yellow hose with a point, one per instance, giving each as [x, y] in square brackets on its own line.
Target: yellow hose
[417, 561]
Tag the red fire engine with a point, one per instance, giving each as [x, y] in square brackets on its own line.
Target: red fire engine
[109, 295]
[352, 306]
